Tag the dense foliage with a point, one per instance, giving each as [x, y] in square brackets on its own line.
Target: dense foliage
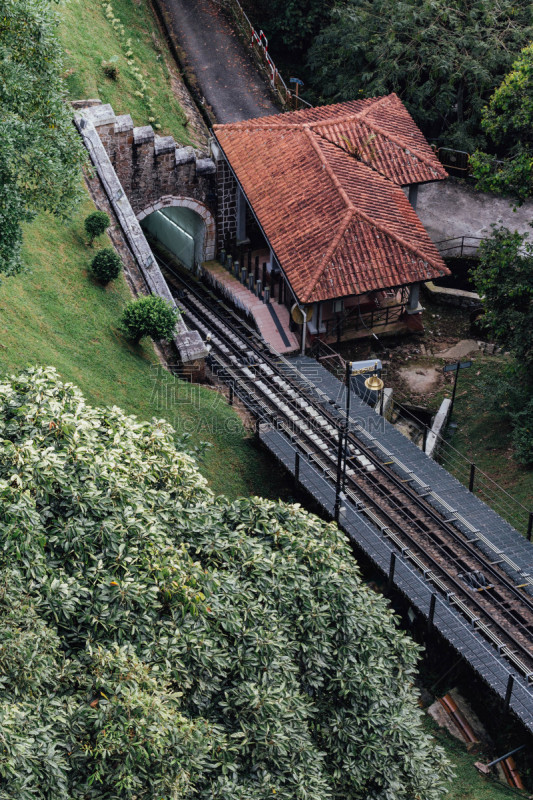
[508, 122]
[504, 278]
[96, 224]
[442, 59]
[40, 151]
[177, 645]
[106, 265]
[149, 316]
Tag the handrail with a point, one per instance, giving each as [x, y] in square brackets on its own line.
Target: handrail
[259, 44]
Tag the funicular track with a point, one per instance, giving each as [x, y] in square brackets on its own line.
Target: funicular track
[492, 593]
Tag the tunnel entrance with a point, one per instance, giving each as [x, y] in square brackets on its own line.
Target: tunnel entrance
[181, 230]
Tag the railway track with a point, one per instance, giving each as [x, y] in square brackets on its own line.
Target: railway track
[492, 593]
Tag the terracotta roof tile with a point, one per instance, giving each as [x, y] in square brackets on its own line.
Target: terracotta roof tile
[336, 225]
[379, 131]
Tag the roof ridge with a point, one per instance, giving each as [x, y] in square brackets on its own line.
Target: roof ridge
[377, 129]
[396, 236]
[336, 182]
[348, 114]
[329, 252]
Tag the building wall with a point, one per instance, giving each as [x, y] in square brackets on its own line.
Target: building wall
[226, 204]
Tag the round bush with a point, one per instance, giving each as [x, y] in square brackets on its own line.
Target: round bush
[150, 316]
[106, 265]
[96, 224]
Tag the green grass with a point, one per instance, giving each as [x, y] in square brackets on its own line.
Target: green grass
[468, 783]
[483, 437]
[89, 39]
[57, 315]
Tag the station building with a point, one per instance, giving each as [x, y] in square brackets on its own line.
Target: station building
[319, 206]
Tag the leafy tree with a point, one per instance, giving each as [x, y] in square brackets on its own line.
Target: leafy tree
[508, 122]
[290, 23]
[149, 316]
[40, 151]
[504, 279]
[106, 265]
[184, 645]
[96, 224]
[442, 59]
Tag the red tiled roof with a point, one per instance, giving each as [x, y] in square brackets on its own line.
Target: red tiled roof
[336, 226]
[379, 131]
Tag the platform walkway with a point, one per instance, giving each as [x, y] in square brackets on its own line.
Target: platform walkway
[272, 319]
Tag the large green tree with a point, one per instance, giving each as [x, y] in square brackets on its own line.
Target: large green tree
[443, 59]
[508, 123]
[504, 279]
[40, 152]
[179, 645]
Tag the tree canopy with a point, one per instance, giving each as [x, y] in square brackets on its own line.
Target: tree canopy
[504, 279]
[179, 645]
[442, 59]
[508, 122]
[40, 151]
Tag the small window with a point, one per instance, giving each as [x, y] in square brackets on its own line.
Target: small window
[338, 306]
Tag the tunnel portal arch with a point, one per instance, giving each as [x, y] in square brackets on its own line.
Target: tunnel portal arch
[184, 225]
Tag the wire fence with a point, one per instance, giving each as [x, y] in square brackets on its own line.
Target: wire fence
[258, 44]
[472, 476]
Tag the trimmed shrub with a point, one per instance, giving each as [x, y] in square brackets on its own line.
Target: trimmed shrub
[149, 316]
[106, 265]
[96, 224]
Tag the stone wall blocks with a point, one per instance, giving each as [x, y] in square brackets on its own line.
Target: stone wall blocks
[123, 124]
[143, 135]
[164, 144]
[205, 166]
[184, 155]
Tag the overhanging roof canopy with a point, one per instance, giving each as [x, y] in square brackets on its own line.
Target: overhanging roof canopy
[315, 179]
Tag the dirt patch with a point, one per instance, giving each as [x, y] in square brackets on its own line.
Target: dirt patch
[421, 380]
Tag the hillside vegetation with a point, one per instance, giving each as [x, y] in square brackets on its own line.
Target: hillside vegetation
[182, 645]
[57, 314]
[122, 35]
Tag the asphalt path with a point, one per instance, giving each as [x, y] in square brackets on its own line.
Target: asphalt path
[228, 79]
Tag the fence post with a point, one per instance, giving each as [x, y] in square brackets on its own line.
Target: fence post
[230, 399]
[431, 614]
[296, 467]
[425, 438]
[508, 694]
[392, 567]
[472, 477]
[530, 526]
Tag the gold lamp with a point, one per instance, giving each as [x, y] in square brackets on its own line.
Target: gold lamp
[374, 383]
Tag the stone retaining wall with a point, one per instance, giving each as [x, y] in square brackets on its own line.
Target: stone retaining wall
[155, 172]
[190, 346]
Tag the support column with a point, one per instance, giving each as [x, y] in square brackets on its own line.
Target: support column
[413, 306]
[241, 218]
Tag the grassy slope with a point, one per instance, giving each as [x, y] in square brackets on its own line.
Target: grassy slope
[57, 315]
[89, 38]
[468, 783]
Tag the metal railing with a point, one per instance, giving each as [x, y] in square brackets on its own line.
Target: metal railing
[258, 43]
[354, 320]
[459, 246]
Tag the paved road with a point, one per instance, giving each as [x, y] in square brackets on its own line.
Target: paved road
[228, 79]
[448, 209]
